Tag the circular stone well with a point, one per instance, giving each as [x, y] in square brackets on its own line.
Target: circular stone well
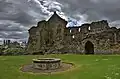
[46, 63]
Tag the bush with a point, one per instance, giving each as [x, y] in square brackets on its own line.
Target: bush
[1, 51]
[14, 51]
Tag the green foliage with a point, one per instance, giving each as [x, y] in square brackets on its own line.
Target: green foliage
[14, 51]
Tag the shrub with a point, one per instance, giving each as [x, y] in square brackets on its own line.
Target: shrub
[14, 51]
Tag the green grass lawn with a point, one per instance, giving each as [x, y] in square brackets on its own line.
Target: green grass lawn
[87, 67]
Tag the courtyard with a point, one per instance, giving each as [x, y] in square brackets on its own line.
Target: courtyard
[86, 67]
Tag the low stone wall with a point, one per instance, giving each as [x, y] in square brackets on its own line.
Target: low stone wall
[47, 64]
[103, 52]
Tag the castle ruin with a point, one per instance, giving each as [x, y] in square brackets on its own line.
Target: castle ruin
[53, 36]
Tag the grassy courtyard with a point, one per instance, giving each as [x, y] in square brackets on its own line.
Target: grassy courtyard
[87, 67]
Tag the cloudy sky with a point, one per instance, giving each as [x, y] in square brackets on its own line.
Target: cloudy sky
[17, 16]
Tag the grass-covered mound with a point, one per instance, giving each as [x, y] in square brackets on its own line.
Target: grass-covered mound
[87, 67]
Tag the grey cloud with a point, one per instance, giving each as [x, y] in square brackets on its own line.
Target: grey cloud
[13, 35]
[18, 16]
[27, 12]
[9, 31]
[95, 10]
[4, 4]
[9, 27]
[17, 35]
[17, 13]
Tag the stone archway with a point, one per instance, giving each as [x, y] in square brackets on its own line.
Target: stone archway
[89, 48]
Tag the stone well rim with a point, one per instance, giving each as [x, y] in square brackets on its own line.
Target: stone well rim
[46, 60]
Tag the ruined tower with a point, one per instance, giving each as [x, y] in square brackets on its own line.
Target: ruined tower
[47, 36]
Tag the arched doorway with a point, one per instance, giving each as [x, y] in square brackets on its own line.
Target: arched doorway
[89, 48]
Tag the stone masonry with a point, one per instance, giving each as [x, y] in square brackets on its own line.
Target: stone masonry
[53, 36]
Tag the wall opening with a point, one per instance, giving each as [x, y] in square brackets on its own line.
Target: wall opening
[89, 28]
[73, 36]
[70, 30]
[89, 48]
[79, 29]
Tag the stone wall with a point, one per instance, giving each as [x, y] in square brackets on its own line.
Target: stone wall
[53, 36]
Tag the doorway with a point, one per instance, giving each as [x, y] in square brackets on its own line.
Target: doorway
[89, 48]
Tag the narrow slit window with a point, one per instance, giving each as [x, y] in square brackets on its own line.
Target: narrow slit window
[79, 29]
[89, 28]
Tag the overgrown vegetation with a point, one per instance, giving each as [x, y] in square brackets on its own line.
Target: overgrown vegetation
[11, 50]
[14, 51]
